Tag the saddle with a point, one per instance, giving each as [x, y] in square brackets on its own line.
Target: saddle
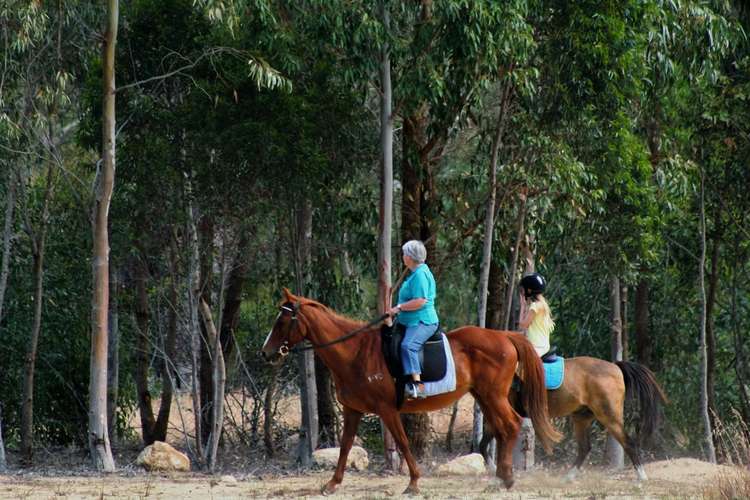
[554, 372]
[550, 356]
[432, 360]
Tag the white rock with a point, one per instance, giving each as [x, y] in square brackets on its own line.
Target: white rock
[467, 465]
[329, 457]
[161, 456]
[228, 480]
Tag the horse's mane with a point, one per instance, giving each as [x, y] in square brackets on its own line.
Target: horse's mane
[339, 319]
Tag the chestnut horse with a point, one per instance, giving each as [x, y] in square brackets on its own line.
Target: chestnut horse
[594, 389]
[485, 363]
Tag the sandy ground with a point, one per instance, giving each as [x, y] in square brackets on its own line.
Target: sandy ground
[69, 476]
[682, 478]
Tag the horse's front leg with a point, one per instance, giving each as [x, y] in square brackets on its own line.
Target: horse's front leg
[351, 422]
[392, 421]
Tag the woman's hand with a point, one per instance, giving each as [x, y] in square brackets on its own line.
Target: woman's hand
[393, 311]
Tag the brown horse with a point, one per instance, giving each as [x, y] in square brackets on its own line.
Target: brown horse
[594, 389]
[485, 363]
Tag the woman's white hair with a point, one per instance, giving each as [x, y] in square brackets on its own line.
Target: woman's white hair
[416, 250]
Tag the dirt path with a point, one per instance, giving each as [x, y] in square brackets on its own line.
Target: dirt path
[673, 479]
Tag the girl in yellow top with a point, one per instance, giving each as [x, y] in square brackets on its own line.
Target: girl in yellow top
[536, 317]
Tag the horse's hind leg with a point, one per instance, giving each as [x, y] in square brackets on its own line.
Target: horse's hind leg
[392, 421]
[507, 425]
[488, 434]
[581, 425]
[611, 417]
[351, 422]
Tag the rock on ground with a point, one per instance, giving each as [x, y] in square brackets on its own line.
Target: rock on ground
[329, 457]
[466, 465]
[161, 456]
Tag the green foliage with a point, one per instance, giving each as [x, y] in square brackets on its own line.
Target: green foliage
[255, 106]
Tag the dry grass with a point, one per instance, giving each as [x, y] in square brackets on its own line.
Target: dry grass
[730, 485]
[733, 482]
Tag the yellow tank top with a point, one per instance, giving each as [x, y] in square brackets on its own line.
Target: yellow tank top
[541, 326]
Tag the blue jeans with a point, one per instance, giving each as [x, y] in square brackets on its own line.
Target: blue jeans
[414, 339]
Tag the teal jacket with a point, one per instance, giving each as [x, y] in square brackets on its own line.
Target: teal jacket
[419, 285]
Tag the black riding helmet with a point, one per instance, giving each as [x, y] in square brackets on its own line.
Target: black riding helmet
[533, 284]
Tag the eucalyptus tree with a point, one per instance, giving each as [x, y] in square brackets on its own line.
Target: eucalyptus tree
[717, 149]
[101, 451]
[688, 44]
[37, 115]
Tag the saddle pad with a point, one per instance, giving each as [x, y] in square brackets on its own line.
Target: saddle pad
[554, 373]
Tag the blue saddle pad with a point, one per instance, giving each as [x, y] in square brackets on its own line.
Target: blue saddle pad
[554, 372]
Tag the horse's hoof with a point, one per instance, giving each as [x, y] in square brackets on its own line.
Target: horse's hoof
[641, 473]
[412, 489]
[571, 475]
[328, 489]
[495, 486]
[508, 483]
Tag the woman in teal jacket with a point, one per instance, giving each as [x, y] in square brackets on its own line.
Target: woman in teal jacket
[416, 311]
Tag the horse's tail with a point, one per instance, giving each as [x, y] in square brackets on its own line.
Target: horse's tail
[533, 392]
[641, 385]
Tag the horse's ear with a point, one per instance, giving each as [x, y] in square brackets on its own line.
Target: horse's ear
[288, 295]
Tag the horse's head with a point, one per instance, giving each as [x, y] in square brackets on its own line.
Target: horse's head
[288, 330]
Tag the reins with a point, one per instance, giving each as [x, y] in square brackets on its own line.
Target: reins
[340, 339]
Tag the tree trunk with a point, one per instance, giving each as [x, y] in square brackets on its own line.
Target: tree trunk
[489, 226]
[194, 294]
[643, 344]
[416, 425]
[419, 210]
[113, 359]
[268, 440]
[219, 380]
[708, 433]
[143, 350]
[10, 206]
[495, 293]
[411, 177]
[615, 452]
[230, 316]
[308, 394]
[3, 460]
[4, 272]
[386, 209]
[327, 435]
[624, 320]
[713, 281]
[168, 355]
[27, 408]
[510, 289]
[206, 232]
[98, 435]
[38, 243]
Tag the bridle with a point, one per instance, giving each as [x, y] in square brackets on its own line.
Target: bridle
[294, 309]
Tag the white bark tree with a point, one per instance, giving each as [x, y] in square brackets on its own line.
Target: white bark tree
[98, 434]
[707, 430]
[489, 226]
[385, 229]
[615, 453]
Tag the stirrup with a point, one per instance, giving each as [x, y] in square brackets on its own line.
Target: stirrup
[414, 392]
